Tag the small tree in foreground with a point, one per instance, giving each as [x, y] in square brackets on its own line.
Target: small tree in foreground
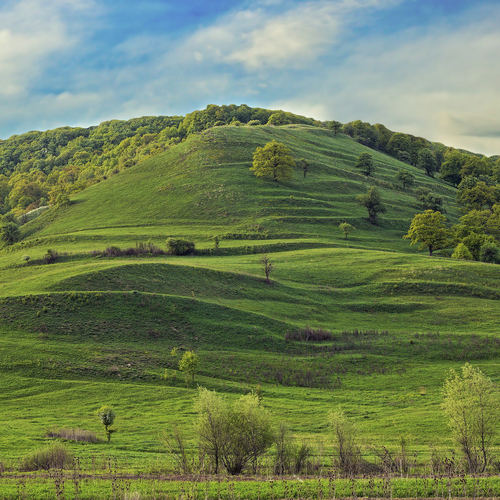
[346, 228]
[429, 230]
[236, 436]
[347, 453]
[106, 415]
[373, 203]
[267, 267]
[472, 409]
[189, 364]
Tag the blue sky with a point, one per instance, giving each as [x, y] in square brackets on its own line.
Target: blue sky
[425, 67]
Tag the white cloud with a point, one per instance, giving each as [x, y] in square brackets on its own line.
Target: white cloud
[263, 39]
[30, 33]
[441, 84]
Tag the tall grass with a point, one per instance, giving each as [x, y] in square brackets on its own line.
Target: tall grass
[54, 456]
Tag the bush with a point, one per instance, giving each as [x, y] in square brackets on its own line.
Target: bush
[462, 252]
[179, 247]
[78, 435]
[490, 253]
[51, 256]
[9, 232]
[253, 123]
[55, 456]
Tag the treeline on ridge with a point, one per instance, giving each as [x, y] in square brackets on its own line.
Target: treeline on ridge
[45, 168]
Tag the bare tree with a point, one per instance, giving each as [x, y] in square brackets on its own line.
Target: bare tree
[267, 266]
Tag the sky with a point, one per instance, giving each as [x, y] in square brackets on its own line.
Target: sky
[425, 67]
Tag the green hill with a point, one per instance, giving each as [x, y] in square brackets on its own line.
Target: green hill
[89, 330]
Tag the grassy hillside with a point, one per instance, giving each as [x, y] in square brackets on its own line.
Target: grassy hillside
[88, 330]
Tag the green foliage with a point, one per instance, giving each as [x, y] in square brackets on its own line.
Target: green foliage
[427, 161]
[106, 415]
[347, 452]
[178, 246]
[365, 163]
[490, 252]
[406, 178]
[9, 233]
[233, 436]
[462, 252]
[372, 201]
[275, 160]
[189, 364]
[471, 406]
[429, 200]
[429, 229]
[346, 228]
[303, 164]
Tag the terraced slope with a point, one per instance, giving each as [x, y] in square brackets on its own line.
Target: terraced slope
[89, 330]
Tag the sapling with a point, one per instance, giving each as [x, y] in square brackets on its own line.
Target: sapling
[106, 415]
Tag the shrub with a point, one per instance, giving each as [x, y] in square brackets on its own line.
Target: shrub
[462, 252]
[112, 252]
[9, 232]
[253, 123]
[51, 256]
[309, 335]
[490, 253]
[179, 247]
[78, 435]
[55, 456]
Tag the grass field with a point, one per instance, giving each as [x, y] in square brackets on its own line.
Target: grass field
[87, 331]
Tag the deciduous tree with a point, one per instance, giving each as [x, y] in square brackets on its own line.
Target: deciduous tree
[429, 230]
[473, 412]
[107, 415]
[346, 228]
[365, 163]
[373, 203]
[273, 160]
[407, 179]
[189, 364]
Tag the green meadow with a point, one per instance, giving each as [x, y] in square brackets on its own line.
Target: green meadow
[89, 330]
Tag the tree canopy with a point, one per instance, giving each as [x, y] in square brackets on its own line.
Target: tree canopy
[373, 203]
[273, 160]
[429, 230]
[473, 412]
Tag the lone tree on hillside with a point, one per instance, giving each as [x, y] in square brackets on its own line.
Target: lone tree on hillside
[304, 165]
[373, 203]
[365, 163]
[346, 228]
[267, 267]
[429, 229]
[189, 364]
[275, 160]
[406, 178]
[473, 412]
[107, 415]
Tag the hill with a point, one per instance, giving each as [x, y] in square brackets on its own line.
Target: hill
[88, 329]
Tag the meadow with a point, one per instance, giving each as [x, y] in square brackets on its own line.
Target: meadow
[89, 330]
